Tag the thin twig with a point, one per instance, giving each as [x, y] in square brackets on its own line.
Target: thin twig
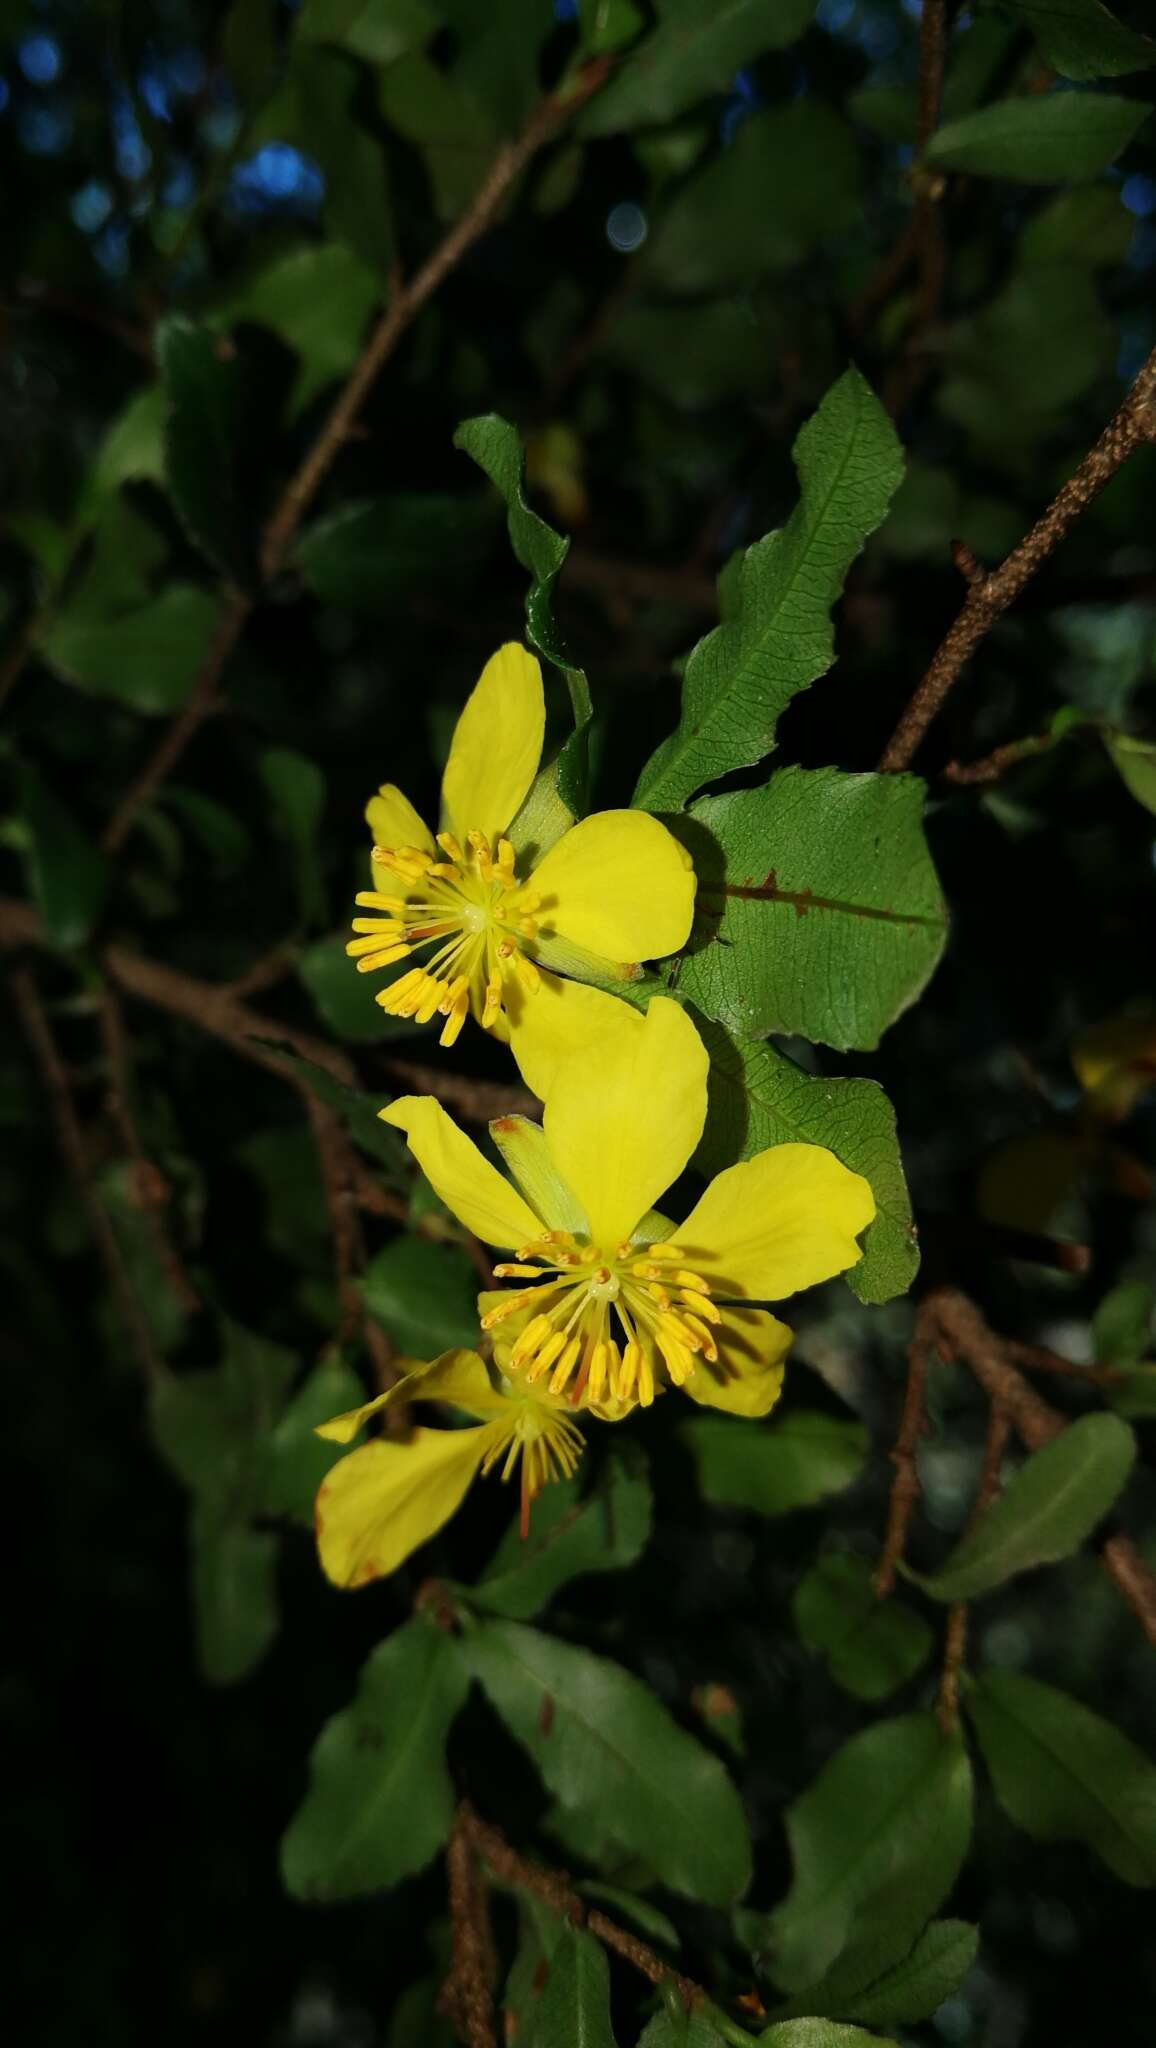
[478, 1102]
[70, 1139]
[302, 488]
[996, 764]
[986, 601]
[149, 1184]
[467, 1994]
[955, 1637]
[905, 1487]
[1040, 1358]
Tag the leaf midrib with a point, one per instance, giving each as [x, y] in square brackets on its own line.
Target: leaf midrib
[1046, 1507]
[416, 1730]
[1117, 1825]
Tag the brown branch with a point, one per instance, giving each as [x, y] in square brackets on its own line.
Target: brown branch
[150, 1186]
[70, 1139]
[955, 1637]
[478, 1102]
[302, 488]
[950, 1316]
[905, 1487]
[467, 1994]
[986, 601]
[511, 1868]
[1040, 1358]
[996, 764]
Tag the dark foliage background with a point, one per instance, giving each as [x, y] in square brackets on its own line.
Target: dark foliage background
[658, 332]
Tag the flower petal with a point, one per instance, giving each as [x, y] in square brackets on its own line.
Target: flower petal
[497, 745]
[623, 1116]
[747, 1378]
[382, 1501]
[779, 1222]
[394, 822]
[523, 1146]
[458, 1377]
[478, 1194]
[618, 884]
[559, 1019]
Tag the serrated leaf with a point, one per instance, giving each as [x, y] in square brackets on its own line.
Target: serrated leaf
[877, 1843]
[568, 1537]
[367, 557]
[201, 425]
[234, 1595]
[756, 1097]
[819, 911]
[600, 1739]
[777, 636]
[380, 1801]
[67, 875]
[496, 447]
[1136, 762]
[1080, 39]
[1051, 1506]
[693, 50]
[774, 1467]
[1063, 138]
[424, 1295]
[871, 1645]
[574, 2008]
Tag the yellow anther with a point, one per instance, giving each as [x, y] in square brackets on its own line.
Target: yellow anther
[506, 859]
[492, 1009]
[505, 1308]
[632, 1361]
[623, 1250]
[686, 1278]
[369, 899]
[528, 927]
[601, 1276]
[515, 1272]
[452, 846]
[452, 1028]
[506, 949]
[601, 1366]
[548, 1352]
[536, 1329]
[528, 972]
[707, 1344]
[565, 1365]
[701, 1304]
[454, 991]
[430, 998]
[661, 1249]
[659, 1294]
[387, 957]
[646, 1269]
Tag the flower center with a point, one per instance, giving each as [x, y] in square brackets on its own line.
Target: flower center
[599, 1318]
[472, 913]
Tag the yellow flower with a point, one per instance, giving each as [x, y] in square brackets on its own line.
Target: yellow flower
[392, 1495]
[615, 889]
[614, 1299]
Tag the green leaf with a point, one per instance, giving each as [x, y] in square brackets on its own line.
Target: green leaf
[132, 450]
[710, 238]
[500, 45]
[1064, 1774]
[820, 2034]
[871, 1645]
[574, 2009]
[877, 1843]
[425, 1295]
[212, 1427]
[1050, 1508]
[377, 30]
[317, 300]
[687, 2030]
[1122, 1325]
[1136, 761]
[496, 447]
[774, 1467]
[357, 1110]
[346, 1000]
[600, 1738]
[1080, 39]
[641, 1913]
[693, 51]
[234, 1595]
[1061, 138]
[316, 108]
[819, 909]
[456, 134]
[67, 876]
[296, 1459]
[380, 1801]
[777, 636]
[908, 1990]
[607, 24]
[201, 426]
[148, 657]
[368, 557]
[296, 789]
[249, 48]
[568, 1537]
[756, 1097]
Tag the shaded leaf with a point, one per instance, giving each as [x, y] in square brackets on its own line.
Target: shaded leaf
[908, 1989]
[368, 556]
[1080, 39]
[693, 51]
[820, 2034]
[568, 1537]
[687, 2030]
[500, 49]
[819, 911]
[601, 1739]
[1045, 1513]
[626, 1905]
[424, 1295]
[296, 1459]
[1065, 1774]
[756, 1097]
[67, 875]
[1062, 138]
[200, 435]
[377, 30]
[148, 656]
[317, 300]
[774, 1467]
[234, 1595]
[777, 637]
[1136, 762]
[380, 1800]
[574, 2008]
[1122, 1325]
[296, 788]
[346, 1000]
[315, 108]
[871, 1645]
[437, 112]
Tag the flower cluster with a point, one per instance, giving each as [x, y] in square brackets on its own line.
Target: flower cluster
[609, 1300]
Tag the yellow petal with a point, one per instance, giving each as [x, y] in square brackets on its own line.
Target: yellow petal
[624, 1115]
[394, 822]
[478, 1194]
[559, 1019]
[779, 1222]
[497, 746]
[618, 884]
[458, 1377]
[748, 1376]
[523, 1146]
[382, 1501]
